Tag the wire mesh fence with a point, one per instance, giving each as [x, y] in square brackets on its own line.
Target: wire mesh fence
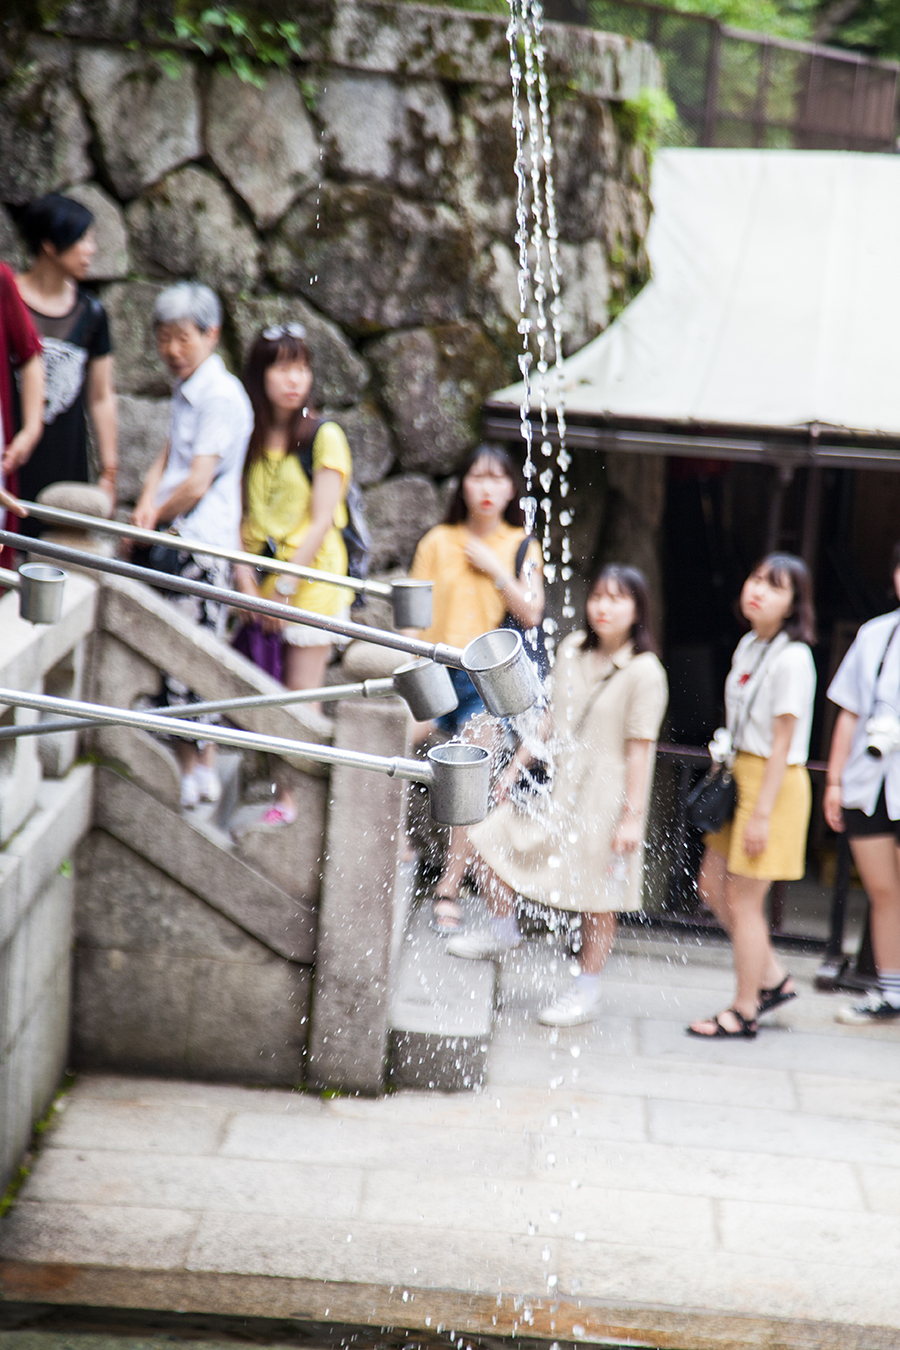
[733, 88]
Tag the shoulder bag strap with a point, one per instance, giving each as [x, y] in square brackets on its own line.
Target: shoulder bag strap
[759, 671]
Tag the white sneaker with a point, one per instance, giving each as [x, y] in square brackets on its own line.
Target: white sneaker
[876, 1008]
[479, 946]
[569, 1009]
[209, 783]
[190, 792]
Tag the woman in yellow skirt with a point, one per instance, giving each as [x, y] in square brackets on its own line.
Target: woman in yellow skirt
[769, 697]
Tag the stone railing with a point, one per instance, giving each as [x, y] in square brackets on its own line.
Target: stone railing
[195, 934]
[45, 810]
[200, 933]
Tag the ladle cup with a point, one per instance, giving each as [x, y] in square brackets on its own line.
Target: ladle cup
[502, 672]
[460, 783]
[427, 689]
[411, 603]
[40, 592]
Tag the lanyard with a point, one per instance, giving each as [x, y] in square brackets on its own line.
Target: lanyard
[887, 648]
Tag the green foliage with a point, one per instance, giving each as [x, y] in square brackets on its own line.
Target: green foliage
[873, 26]
[779, 18]
[246, 45]
[650, 118]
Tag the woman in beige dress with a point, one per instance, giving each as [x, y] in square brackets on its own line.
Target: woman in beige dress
[580, 849]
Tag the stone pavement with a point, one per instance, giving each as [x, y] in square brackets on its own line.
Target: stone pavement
[619, 1181]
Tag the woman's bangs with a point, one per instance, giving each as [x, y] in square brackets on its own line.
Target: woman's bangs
[287, 349]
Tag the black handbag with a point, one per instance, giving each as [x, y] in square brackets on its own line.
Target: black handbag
[711, 801]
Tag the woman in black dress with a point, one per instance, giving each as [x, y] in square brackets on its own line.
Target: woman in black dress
[77, 351]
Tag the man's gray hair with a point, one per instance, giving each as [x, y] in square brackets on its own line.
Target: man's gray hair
[188, 301]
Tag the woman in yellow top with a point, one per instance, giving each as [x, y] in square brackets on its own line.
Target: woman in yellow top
[286, 515]
[472, 559]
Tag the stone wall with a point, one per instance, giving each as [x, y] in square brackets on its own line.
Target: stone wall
[368, 193]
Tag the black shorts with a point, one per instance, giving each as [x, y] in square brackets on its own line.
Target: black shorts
[860, 826]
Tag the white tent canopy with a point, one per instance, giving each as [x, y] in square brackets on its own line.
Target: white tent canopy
[773, 308]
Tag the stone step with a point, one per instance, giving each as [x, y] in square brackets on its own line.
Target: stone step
[443, 1009]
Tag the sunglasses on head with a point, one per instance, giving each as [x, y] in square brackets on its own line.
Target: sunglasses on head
[281, 330]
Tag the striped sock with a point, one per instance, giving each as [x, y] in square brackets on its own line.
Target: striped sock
[889, 981]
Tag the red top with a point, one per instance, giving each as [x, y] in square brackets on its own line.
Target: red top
[18, 343]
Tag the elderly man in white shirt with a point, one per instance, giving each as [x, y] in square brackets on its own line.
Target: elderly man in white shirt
[194, 485]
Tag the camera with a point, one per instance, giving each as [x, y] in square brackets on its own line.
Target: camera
[882, 735]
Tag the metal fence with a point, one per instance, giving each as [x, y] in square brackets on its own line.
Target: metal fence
[733, 88]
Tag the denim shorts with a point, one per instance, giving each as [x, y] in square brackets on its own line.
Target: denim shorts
[470, 703]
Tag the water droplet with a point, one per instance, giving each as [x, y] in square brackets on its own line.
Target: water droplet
[555, 1216]
[574, 1051]
[545, 1254]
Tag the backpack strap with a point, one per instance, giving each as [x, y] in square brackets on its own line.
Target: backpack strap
[305, 455]
[521, 551]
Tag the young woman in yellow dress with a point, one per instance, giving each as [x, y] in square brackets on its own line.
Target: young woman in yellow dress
[289, 515]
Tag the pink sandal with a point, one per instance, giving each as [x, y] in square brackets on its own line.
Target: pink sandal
[279, 815]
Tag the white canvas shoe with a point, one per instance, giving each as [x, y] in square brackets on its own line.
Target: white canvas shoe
[209, 784]
[479, 946]
[190, 792]
[570, 1009]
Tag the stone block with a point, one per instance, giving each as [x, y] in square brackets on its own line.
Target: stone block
[48, 933]
[50, 1029]
[118, 674]
[484, 186]
[129, 305]
[371, 442]
[373, 261]
[378, 128]
[50, 838]
[20, 774]
[131, 1010]
[187, 226]
[147, 122]
[341, 375]
[249, 1023]
[434, 382]
[585, 293]
[44, 135]
[143, 430]
[398, 512]
[111, 261]
[262, 141]
[369, 661]
[12, 250]
[127, 904]
[147, 761]
[291, 856]
[282, 922]
[350, 1011]
[155, 1239]
[58, 750]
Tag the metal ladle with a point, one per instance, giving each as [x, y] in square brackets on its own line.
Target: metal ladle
[40, 591]
[497, 662]
[458, 783]
[425, 686]
[410, 599]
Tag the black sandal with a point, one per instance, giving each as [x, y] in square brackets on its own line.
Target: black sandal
[446, 916]
[747, 1028]
[773, 998]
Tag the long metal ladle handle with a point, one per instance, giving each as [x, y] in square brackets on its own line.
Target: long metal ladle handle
[434, 651]
[328, 694]
[414, 771]
[54, 515]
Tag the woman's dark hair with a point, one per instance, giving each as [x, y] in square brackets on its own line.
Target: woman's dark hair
[264, 353]
[504, 462]
[55, 220]
[895, 557]
[629, 581]
[785, 569]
